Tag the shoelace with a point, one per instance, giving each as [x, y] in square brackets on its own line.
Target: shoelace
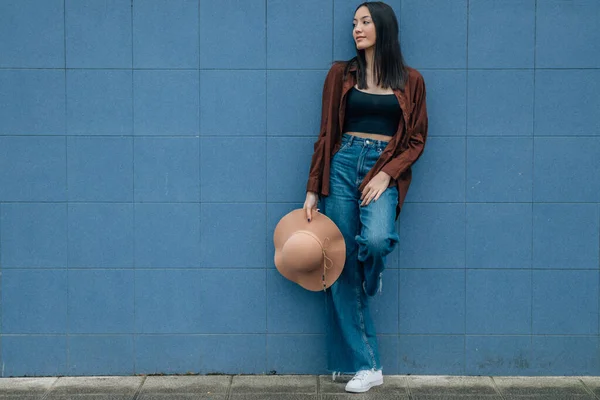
[361, 375]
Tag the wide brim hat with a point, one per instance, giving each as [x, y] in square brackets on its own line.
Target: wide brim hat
[312, 254]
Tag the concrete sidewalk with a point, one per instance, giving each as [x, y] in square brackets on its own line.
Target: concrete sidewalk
[297, 387]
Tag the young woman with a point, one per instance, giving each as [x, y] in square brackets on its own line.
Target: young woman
[373, 128]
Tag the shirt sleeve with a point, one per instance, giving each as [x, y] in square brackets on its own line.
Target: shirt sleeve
[418, 134]
[328, 108]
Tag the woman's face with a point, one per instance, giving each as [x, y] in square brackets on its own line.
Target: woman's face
[364, 29]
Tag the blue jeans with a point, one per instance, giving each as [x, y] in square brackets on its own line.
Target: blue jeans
[370, 235]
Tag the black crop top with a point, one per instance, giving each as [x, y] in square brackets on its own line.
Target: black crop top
[372, 113]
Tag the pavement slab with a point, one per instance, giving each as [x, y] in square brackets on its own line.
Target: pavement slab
[182, 396]
[552, 397]
[274, 396]
[456, 397]
[97, 396]
[121, 385]
[540, 386]
[297, 384]
[195, 385]
[397, 385]
[25, 386]
[370, 395]
[451, 385]
[592, 383]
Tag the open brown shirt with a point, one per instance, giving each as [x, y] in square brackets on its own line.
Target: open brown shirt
[404, 148]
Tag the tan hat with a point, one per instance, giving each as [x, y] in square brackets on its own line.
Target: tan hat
[312, 254]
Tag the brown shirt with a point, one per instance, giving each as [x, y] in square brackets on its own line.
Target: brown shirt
[405, 147]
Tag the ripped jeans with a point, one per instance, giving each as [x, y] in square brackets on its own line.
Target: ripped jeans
[370, 235]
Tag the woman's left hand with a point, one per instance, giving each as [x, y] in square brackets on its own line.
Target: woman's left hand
[375, 188]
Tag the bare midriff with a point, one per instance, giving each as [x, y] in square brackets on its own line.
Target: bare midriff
[372, 136]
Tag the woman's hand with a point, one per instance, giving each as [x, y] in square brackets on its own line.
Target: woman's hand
[375, 188]
[310, 204]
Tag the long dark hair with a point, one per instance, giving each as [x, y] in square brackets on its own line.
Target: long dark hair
[390, 68]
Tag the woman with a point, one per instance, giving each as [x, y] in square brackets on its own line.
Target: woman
[373, 128]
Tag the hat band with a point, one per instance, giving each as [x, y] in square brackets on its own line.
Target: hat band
[326, 259]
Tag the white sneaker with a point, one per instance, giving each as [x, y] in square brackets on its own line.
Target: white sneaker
[364, 380]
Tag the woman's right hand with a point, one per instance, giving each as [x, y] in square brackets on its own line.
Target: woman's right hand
[310, 204]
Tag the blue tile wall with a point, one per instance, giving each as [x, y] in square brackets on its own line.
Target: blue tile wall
[565, 355]
[292, 309]
[101, 235]
[286, 184]
[244, 45]
[421, 28]
[100, 301]
[499, 355]
[148, 149]
[37, 355]
[167, 235]
[567, 34]
[389, 348]
[493, 46]
[308, 352]
[242, 94]
[100, 168]
[499, 235]
[98, 34]
[432, 301]
[33, 235]
[432, 355]
[291, 44]
[498, 302]
[165, 34]
[172, 301]
[99, 102]
[565, 302]
[33, 32]
[203, 354]
[42, 180]
[233, 169]
[565, 236]
[165, 102]
[296, 113]
[34, 301]
[499, 169]
[441, 172]
[167, 301]
[446, 102]
[566, 102]
[432, 235]
[225, 235]
[33, 102]
[565, 170]
[167, 169]
[510, 92]
[91, 355]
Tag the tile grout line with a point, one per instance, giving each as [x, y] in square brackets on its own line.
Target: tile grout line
[67, 203]
[464, 366]
[266, 365]
[531, 274]
[133, 140]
